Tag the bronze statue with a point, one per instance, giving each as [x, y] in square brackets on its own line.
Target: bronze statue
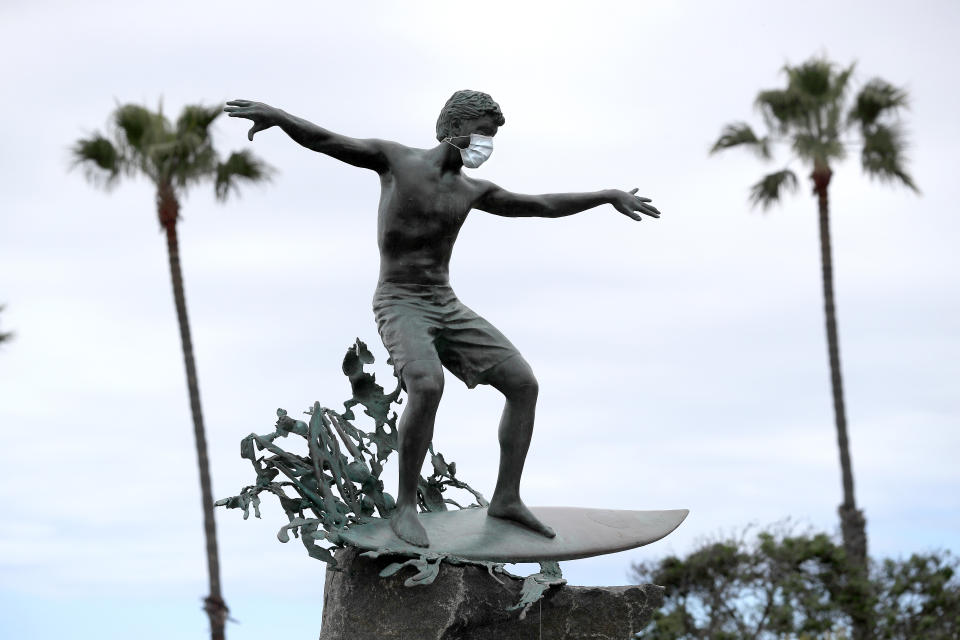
[424, 200]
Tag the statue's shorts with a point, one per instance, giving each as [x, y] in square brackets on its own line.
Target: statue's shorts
[428, 322]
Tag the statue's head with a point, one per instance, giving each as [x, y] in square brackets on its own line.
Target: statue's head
[466, 105]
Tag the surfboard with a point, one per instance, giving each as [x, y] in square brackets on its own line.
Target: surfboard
[471, 534]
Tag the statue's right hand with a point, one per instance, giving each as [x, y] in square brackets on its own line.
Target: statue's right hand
[263, 115]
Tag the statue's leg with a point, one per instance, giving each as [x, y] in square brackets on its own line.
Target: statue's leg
[424, 382]
[515, 380]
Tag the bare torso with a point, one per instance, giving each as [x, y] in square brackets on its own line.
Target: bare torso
[422, 208]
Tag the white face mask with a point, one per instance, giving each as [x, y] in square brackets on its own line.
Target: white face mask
[477, 151]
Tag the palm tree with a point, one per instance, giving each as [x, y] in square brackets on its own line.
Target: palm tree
[811, 114]
[174, 157]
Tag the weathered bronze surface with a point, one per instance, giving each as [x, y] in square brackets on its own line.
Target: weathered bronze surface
[424, 201]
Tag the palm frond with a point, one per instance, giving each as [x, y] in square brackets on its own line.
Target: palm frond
[832, 109]
[882, 155]
[740, 133]
[781, 109]
[99, 158]
[875, 99]
[768, 191]
[241, 165]
[811, 79]
[191, 161]
[810, 108]
[139, 126]
[818, 81]
[195, 119]
[818, 148]
[190, 153]
[181, 159]
[833, 127]
[841, 82]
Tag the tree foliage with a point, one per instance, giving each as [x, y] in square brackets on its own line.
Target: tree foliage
[814, 115]
[172, 155]
[778, 584]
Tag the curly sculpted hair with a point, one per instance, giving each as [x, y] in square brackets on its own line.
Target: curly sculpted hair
[466, 105]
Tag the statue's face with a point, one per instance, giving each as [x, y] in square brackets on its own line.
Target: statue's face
[461, 129]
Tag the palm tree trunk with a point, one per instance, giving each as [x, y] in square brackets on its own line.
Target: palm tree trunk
[852, 521]
[214, 604]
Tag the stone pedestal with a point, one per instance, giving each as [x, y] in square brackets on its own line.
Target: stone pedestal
[467, 603]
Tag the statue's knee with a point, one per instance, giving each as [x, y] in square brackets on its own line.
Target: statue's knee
[515, 380]
[524, 387]
[424, 381]
[530, 388]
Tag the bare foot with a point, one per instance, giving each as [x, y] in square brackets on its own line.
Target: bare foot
[518, 512]
[406, 525]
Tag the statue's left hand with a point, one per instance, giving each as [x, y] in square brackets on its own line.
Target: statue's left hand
[629, 204]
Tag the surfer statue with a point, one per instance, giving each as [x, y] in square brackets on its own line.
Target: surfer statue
[424, 200]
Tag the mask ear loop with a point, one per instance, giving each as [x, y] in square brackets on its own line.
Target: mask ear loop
[449, 139]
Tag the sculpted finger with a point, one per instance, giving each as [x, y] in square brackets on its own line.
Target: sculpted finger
[253, 130]
[238, 103]
[239, 110]
[643, 199]
[634, 190]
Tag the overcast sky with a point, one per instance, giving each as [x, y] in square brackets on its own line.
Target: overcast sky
[682, 361]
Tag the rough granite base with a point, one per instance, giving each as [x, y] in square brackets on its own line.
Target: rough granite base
[467, 603]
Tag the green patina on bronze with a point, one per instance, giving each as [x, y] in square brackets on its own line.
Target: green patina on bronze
[534, 586]
[337, 483]
[425, 199]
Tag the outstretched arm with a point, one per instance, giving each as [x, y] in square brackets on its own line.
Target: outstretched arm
[368, 154]
[556, 205]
